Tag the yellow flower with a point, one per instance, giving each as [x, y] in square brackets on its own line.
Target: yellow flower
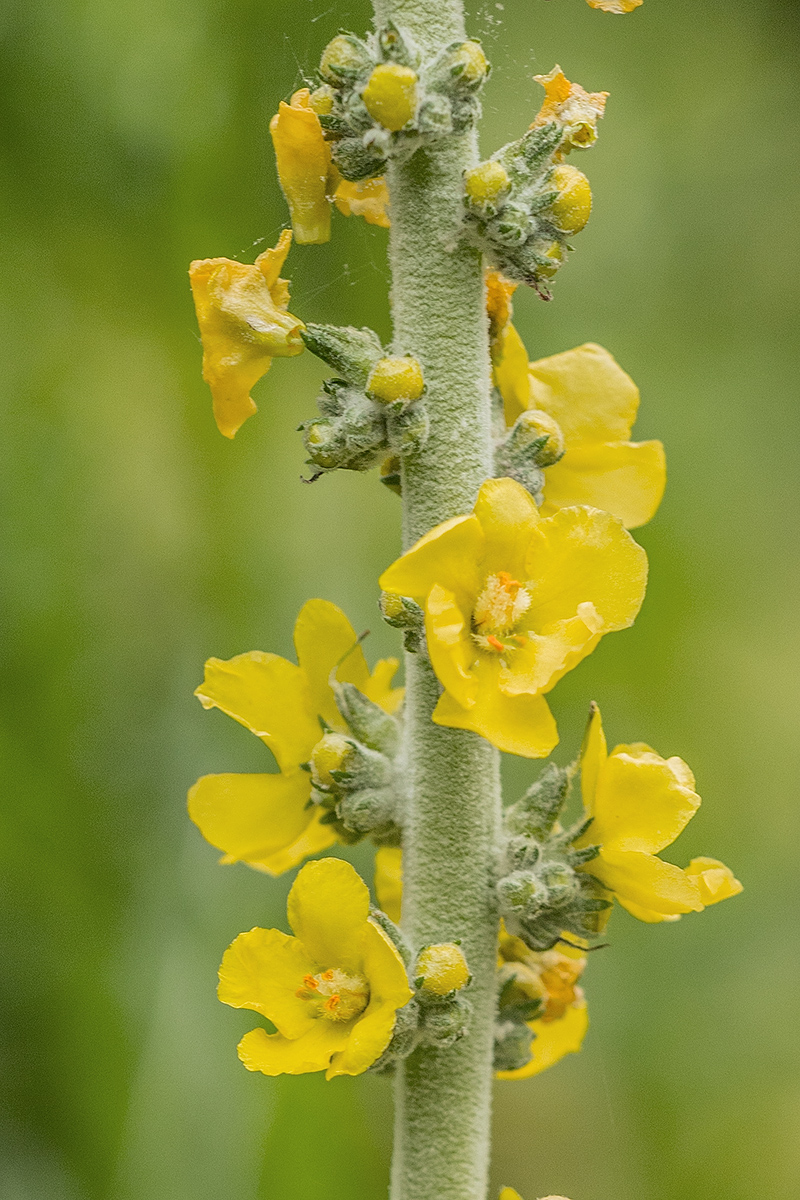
[369, 198]
[304, 166]
[514, 601]
[241, 311]
[264, 820]
[615, 6]
[332, 991]
[568, 104]
[551, 977]
[639, 803]
[594, 403]
[389, 881]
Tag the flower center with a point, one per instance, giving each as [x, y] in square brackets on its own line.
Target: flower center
[498, 608]
[559, 976]
[335, 995]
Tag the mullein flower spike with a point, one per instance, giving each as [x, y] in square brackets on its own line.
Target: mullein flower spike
[512, 602]
[332, 991]
[267, 820]
[593, 404]
[241, 311]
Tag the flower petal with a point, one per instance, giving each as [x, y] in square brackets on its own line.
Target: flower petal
[270, 697]
[508, 517]
[641, 803]
[273, 1054]
[448, 554]
[520, 724]
[323, 637]
[626, 479]
[450, 645]
[546, 658]
[368, 198]
[648, 915]
[252, 818]
[594, 753]
[511, 372]
[303, 160]
[389, 991]
[553, 1040]
[647, 881]
[389, 881]
[328, 907]
[587, 392]
[378, 687]
[582, 555]
[715, 880]
[262, 970]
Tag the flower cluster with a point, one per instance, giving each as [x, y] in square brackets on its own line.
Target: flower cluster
[523, 203]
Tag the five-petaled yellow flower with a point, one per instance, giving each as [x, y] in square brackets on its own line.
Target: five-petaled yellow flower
[594, 403]
[512, 602]
[241, 311]
[310, 181]
[639, 803]
[552, 978]
[573, 107]
[265, 820]
[332, 991]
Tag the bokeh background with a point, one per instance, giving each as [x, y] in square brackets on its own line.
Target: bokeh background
[136, 542]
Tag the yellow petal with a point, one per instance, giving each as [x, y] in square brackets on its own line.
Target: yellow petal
[450, 645]
[626, 479]
[615, 6]
[273, 1054]
[511, 377]
[270, 264]
[448, 554]
[545, 658]
[270, 697]
[508, 517]
[588, 393]
[648, 915]
[594, 753]
[507, 1193]
[715, 880]
[323, 637]
[328, 907]
[553, 1040]
[303, 159]
[378, 687]
[582, 555]
[253, 818]
[647, 881]
[642, 801]
[262, 970]
[242, 329]
[520, 725]
[389, 990]
[389, 881]
[368, 198]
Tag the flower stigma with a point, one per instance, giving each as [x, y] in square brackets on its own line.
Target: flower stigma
[498, 608]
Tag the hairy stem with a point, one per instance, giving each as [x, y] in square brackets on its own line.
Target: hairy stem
[444, 1096]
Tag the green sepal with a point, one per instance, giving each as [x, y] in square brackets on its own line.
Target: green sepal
[352, 351]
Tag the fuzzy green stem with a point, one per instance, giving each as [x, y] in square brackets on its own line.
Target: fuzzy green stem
[443, 1097]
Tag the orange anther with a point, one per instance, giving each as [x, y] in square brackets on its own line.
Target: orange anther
[310, 982]
[332, 1002]
[327, 974]
[495, 643]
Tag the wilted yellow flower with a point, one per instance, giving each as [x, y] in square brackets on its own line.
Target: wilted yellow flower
[639, 803]
[514, 601]
[615, 6]
[551, 977]
[568, 104]
[594, 403]
[368, 198]
[332, 991]
[265, 820]
[241, 311]
[304, 166]
[389, 881]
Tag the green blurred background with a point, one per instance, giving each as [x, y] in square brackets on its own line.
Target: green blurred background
[137, 542]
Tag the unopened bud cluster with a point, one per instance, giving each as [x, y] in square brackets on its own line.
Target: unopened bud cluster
[373, 412]
[354, 775]
[401, 612]
[543, 894]
[380, 98]
[535, 441]
[522, 205]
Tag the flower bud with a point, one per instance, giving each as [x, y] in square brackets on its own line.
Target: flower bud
[445, 1023]
[557, 255]
[357, 161]
[343, 58]
[390, 476]
[512, 1045]
[352, 352]
[321, 100]
[330, 754]
[467, 65]
[573, 207]
[408, 430]
[442, 969]
[367, 721]
[325, 445]
[391, 95]
[486, 183]
[368, 809]
[539, 434]
[395, 379]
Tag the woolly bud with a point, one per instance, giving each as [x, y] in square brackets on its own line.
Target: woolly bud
[343, 58]
[395, 379]
[330, 754]
[390, 96]
[572, 209]
[486, 183]
[442, 969]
